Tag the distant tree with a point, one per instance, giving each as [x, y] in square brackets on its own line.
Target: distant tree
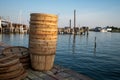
[113, 28]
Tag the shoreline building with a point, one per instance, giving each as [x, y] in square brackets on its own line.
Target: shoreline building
[69, 30]
[0, 25]
[9, 27]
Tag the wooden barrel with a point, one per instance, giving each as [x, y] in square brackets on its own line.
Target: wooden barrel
[42, 40]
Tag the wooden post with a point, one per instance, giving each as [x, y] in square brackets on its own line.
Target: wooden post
[95, 46]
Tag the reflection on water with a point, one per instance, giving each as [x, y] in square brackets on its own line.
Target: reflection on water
[69, 41]
[73, 46]
[87, 38]
[15, 39]
[0, 38]
[11, 37]
[72, 38]
[96, 54]
[96, 57]
[95, 47]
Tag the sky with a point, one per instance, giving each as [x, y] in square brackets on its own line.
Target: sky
[91, 13]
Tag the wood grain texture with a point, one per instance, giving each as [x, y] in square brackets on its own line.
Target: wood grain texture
[42, 40]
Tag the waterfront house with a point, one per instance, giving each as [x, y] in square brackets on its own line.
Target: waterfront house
[60, 30]
[14, 28]
[67, 30]
[7, 26]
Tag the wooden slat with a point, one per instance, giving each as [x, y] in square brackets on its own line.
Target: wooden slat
[32, 76]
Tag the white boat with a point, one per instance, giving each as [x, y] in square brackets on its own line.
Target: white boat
[103, 30]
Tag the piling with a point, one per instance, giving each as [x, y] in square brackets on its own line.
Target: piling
[42, 40]
[95, 46]
[95, 43]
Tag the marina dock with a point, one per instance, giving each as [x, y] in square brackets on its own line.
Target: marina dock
[56, 73]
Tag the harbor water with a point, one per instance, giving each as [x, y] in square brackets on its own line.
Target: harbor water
[100, 61]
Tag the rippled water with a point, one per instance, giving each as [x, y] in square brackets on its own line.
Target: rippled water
[79, 53]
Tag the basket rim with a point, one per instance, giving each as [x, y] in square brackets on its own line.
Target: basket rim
[7, 48]
[44, 14]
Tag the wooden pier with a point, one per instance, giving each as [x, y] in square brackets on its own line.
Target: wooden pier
[56, 73]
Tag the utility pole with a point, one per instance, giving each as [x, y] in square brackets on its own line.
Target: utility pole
[74, 21]
[0, 25]
[70, 23]
[0, 21]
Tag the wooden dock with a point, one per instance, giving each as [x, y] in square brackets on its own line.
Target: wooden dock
[56, 73]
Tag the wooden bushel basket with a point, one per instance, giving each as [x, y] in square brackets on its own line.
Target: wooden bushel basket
[21, 52]
[7, 61]
[42, 62]
[42, 40]
[11, 68]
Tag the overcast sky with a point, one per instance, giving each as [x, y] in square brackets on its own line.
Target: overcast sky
[90, 13]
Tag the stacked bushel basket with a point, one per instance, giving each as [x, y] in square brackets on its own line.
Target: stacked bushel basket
[42, 40]
[21, 52]
[11, 68]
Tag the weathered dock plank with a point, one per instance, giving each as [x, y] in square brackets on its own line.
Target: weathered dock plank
[32, 76]
[56, 73]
